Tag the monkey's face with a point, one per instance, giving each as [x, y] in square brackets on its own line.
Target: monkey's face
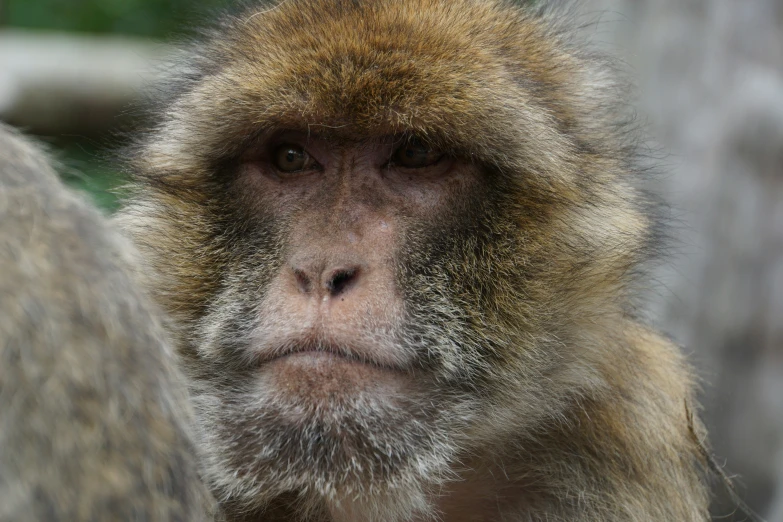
[342, 352]
[378, 224]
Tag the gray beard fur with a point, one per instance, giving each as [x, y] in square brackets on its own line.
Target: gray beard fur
[363, 454]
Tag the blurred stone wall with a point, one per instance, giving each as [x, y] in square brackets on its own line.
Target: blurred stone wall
[710, 76]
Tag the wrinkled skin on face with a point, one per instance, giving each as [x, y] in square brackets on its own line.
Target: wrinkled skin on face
[351, 359]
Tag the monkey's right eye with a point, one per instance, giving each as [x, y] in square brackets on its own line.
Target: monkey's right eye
[291, 158]
[416, 155]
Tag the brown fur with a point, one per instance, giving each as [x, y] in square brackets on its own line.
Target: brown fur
[559, 405]
[93, 415]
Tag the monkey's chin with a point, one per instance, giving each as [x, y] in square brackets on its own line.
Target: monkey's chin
[322, 378]
[326, 427]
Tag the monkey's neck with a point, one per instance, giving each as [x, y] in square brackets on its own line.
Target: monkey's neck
[483, 494]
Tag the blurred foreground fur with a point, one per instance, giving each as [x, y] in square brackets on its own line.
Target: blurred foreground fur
[94, 420]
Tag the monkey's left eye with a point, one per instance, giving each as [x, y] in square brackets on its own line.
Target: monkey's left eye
[416, 155]
[291, 158]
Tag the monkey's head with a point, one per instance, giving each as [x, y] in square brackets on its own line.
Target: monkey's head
[381, 229]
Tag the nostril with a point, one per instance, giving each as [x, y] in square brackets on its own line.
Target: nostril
[303, 280]
[340, 280]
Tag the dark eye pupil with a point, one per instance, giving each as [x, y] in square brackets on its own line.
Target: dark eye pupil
[294, 156]
[290, 158]
[417, 155]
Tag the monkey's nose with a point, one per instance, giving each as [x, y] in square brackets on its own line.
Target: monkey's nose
[340, 280]
[330, 282]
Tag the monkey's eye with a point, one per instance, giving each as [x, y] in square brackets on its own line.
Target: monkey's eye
[415, 155]
[291, 158]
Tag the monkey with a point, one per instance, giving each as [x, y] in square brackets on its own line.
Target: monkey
[402, 246]
[95, 422]
[397, 249]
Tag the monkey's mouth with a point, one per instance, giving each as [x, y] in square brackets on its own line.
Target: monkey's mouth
[322, 354]
[327, 376]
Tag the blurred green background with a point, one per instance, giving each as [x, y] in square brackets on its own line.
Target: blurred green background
[151, 18]
[87, 159]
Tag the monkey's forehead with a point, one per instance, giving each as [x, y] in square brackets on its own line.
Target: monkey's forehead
[484, 78]
[373, 65]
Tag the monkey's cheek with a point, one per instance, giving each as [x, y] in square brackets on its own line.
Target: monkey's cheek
[323, 378]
